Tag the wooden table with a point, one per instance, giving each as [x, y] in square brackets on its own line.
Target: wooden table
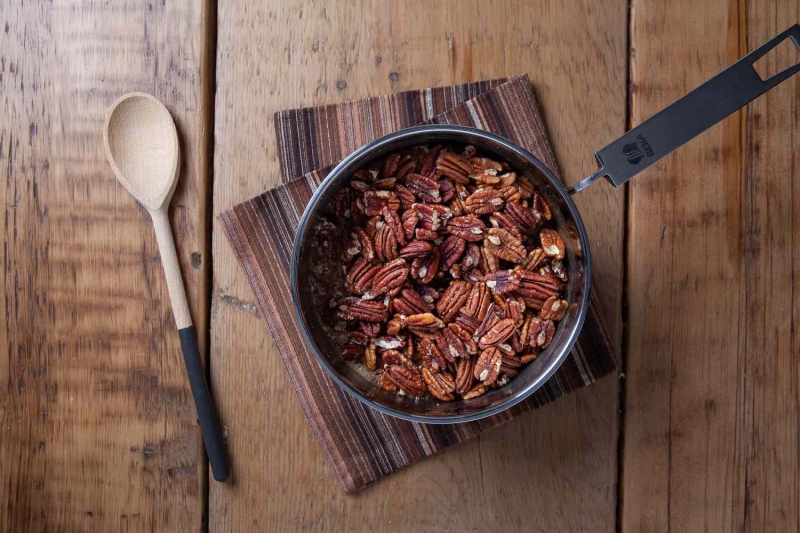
[695, 258]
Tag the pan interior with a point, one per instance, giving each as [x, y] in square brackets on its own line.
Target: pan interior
[314, 279]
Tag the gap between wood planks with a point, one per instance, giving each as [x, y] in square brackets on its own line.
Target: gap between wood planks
[625, 268]
[209, 84]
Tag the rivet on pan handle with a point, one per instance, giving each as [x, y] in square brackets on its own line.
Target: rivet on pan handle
[690, 116]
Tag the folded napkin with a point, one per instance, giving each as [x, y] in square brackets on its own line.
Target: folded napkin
[362, 444]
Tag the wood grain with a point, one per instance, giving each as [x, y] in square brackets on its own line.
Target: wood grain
[711, 396]
[554, 469]
[97, 427]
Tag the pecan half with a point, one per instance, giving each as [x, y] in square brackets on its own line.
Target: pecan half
[349, 245]
[386, 384]
[393, 220]
[498, 333]
[371, 227]
[409, 302]
[489, 262]
[363, 310]
[385, 243]
[440, 384]
[375, 201]
[389, 342]
[552, 244]
[428, 162]
[509, 193]
[470, 228]
[522, 216]
[541, 332]
[467, 323]
[431, 217]
[503, 244]
[452, 249]
[358, 337]
[341, 203]
[515, 310]
[422, 234]
[370, 329]
[532, 260]
[409, 380]
[554, 309]
[407, 198]
[360, 186]
[525, 187]
[415, 249]
[540, 208]
[453, 299]
[501, 220]
[394, 326]
[447, 189]
[478, 302]
[502, 281]
[487, 367]
[423, 323]
[508, 179]
[425, 188]
[485, 170]
[472, 257]
[425, 268]
[510, 365]
[474, 392]
[536, 285]
[396, 357]
[483, 202]
[367, 250]
[559, 270]
[386, 184]
[464, 374]
[489, 320]
[527, 358]
[429, 294]
[409, 220]
[371, 356]
[457, 203]
[431, 356]
[392, 275]
[390, 165]
[405, 166]
[351, 352]
[454, 166]
[359, 278]
[451, 346]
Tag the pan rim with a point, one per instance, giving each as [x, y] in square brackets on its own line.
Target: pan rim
[331, 181]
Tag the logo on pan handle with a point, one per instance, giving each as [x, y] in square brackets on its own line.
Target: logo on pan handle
[635, 152]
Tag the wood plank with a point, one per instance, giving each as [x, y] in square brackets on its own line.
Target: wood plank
[771, 451]
[97, 426]
[554, 469]
[711, 395]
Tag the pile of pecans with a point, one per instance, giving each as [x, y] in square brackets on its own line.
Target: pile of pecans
[453, 279]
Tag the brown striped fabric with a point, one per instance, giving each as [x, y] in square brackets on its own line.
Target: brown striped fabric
[312, 138]
[362, 444]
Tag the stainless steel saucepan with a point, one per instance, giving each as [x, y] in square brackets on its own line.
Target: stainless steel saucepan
[618, 162]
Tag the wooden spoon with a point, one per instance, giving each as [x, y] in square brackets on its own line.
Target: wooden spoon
[141, 145]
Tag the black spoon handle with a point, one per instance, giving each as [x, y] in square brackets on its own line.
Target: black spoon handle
[206, 413]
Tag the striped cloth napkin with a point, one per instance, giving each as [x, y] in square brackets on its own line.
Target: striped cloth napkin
[361, 444]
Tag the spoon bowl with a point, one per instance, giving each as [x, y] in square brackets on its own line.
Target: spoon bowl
[141, 143]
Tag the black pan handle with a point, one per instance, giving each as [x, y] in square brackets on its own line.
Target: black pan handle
[690, 116]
